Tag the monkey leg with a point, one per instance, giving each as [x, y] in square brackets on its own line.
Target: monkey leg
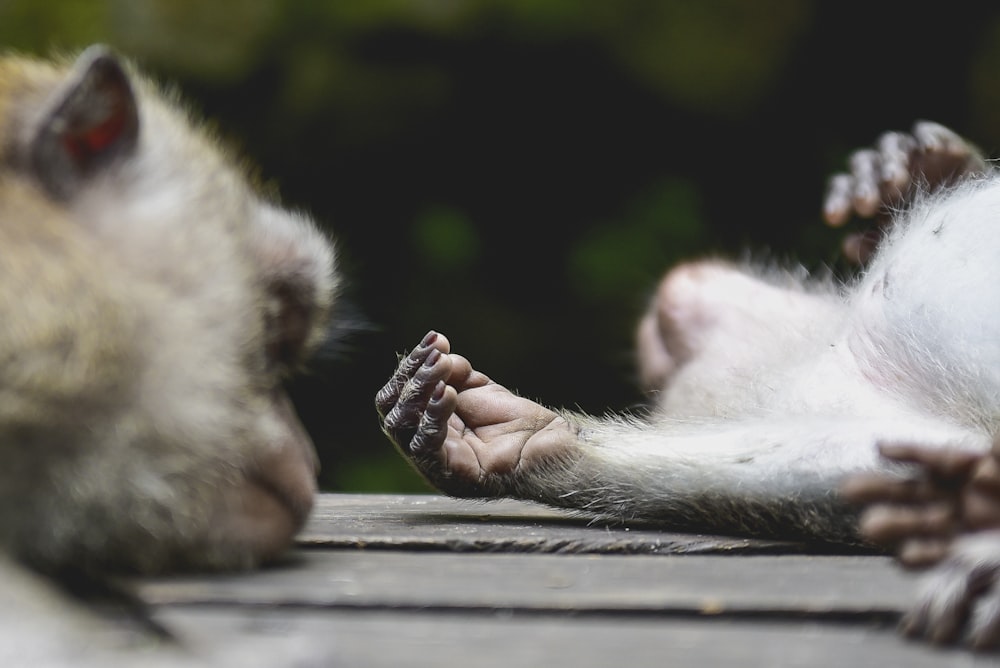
[695, 305]
[466, 434]
[471, 437]
[885, 178]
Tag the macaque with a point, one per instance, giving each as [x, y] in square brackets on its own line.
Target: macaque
[153, 303]
[770, 391]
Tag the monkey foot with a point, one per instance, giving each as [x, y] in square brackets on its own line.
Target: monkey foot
[465, 433]
[700, 310]
[886, 177]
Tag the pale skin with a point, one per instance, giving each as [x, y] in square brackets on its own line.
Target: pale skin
[769, 394]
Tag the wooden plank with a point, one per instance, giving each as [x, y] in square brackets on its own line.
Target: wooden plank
[693, 584]
[516, 584]
[428, 522]
[386, 638]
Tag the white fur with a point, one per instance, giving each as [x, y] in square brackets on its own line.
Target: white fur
[787, 389]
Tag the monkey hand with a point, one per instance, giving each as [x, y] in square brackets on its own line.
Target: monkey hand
[946, 517]
[465, 433]
[918, 516]
[888, 176]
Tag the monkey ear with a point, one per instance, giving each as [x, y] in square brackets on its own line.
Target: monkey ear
[92, 120]
[296, 264]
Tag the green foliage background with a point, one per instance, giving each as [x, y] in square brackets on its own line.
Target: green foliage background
[518, 173]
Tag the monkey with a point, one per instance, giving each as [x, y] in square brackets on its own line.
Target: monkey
[769, 389]
[154, 301]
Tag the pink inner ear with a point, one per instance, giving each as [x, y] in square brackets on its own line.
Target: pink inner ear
[82, 143]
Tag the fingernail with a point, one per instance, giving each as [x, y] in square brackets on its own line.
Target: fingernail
[438, 393]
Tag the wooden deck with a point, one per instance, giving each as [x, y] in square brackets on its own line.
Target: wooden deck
[429, 581]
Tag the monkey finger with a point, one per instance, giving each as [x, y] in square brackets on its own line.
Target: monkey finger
[922, 553]
[943, 464]
[865, 488]
[463, 376]
[981, 495]
[980, 510]
[890, 525]
[985, 476]
[433, 426]
[402, 421]
[943, 156]
[387, 397]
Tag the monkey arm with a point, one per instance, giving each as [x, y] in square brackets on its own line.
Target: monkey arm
[769, 475]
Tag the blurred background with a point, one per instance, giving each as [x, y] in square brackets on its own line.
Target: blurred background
[518, 173]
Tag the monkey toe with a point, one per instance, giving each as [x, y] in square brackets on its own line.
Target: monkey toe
[941, 156]
[883, 178]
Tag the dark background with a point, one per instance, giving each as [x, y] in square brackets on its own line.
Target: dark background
[517, 174]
